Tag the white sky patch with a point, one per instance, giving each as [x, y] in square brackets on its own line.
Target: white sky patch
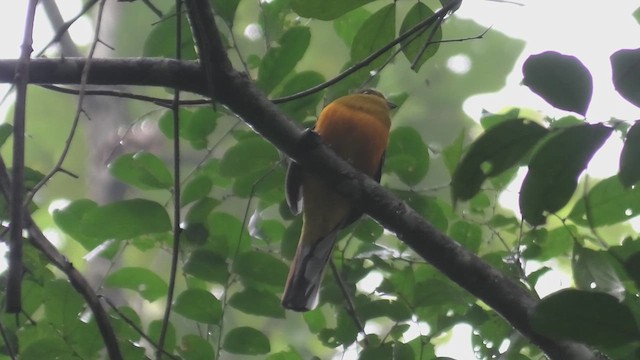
[459, 64]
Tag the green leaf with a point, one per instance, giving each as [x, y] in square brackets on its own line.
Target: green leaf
[285, 355]
[367, 230]
[279, 61]
[252, 155]
[394, 310]
[561, 80]
[207, 265]
[499, 148]
[407, 155]
[197, 188]
[144, 281]
[199, 305]
[125, 220]
[376, 32]
[247, 341]
[593, 318]
[257, 302]
[452, 154]
[143, 170]
[193, 347]
[6, 130]
[593, 270]
[625, 67]
[305, 106]
[607, 203]
[554, 169]
[259, 268]
[383, 351]
[69, 220]
[413, 47]
[199, 212]
[315, 320]
[227, 234]
[629, 160]
[154, 329]
[62, 306]
[161, 41]
[347, 25]
[50, 347]
[325, 9]
[226, 9]
[467, 234]
[632, 267]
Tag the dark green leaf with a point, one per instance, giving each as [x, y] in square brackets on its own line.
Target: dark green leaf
[161, 41]
[196, 189]
[413, 48]
[155, 327]
[495, 151]
[226, 9]
[347, 25]
[125, 219]
[383, 351]
[376, 32]
[467, 234]
[144, 281]
[325, 9]
[607, 203]
[367, 230]
[257, 302]
[632, 267]
[594, 318]
[346, 331]
[593, 270]
[394, 310]
[193, 347]
[247, 341]
[62, 306]
[305, 106]
[50, 347]
[5, 131]
[69, 220]
[279, 61]
[407, 155]
[261, 268]
[143, 170]
[227, 234]
[249, 156]
[199, 212]
[207, 265]
[554, 169]
[561, 80]
[629, 160]
[199, 305]
[625, 67]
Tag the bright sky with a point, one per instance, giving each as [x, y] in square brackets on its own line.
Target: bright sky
[590, 30]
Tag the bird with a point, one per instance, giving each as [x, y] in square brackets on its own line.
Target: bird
[356, 127]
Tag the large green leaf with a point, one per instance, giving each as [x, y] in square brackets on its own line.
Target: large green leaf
[125, 220]
[375, 33]
[629, 160]
[161, 41]
[496, 150]
[414, 47]
[143, 170]
[154, 329]
[625, 67]
[62, 306]
[347, 25]
[594, 318]
[199, 305]
[207, 265]
[227, 235]
[562, 80]
[593, 270]
[226, 9]
[259, 268]
[247, 341]
[248, 156]
[69, 220]
[194, 347]
[49, 347]
[305, 106]
[257, 302]
[196, 189]
[407, 155]
[607, 203]
[554, 169]
[144, 281]
[195, 126]
[280, 61]
[325, 9]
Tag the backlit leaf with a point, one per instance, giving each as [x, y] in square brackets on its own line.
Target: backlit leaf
[377, 31]
[125, 219]
[413, 48]
[144, 281]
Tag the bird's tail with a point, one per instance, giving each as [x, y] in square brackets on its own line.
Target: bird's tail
[307, 271]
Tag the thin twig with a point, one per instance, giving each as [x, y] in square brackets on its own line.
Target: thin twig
[76, 118]
[7, 343]
[176, 193]
[21, 79]
[351, 307]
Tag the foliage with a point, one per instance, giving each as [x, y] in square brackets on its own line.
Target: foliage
[237, 236]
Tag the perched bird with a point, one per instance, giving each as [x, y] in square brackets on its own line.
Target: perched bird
[356, 127]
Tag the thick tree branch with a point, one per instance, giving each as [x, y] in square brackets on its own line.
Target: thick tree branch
[504, 295]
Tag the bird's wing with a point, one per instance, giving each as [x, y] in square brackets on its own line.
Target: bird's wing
[293, 186]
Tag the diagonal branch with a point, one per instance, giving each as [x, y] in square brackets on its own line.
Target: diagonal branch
[238, 93]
